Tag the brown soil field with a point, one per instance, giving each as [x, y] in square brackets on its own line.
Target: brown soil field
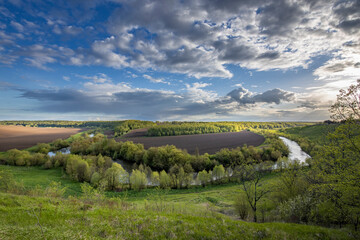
[24, 137]
[206, 143]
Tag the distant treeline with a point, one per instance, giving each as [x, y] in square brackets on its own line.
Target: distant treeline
[188, 128]
[119, 127]
[68, 124]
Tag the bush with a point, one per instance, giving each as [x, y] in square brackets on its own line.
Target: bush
[116, 176]
[48, 164]
[241, 206]
[297, 209]
[203, 177]
[138, 180]
[165, 180]
[55, 190]
[218, 172]
[95, 179]
[90, 193]
[42, 148]
[7, 181]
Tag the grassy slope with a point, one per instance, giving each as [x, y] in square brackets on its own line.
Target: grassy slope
[149, 214]
[31, 177]
[24, 217]
[316, 133]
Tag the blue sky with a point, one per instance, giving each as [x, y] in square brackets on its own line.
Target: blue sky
[200, 60]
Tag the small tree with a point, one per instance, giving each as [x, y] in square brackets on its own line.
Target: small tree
[251, 180]
[165, 180]
[83, 171]
[115, 176]
[203, 177]
[218, 172]
[155, 178]
[241, 206]
[95, 179]
[138, 180]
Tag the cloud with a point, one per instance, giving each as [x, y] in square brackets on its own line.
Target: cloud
[121, 99]
[279, 18]
[196, 93]
[155, 80]
[99, 78]
[243, 96]
[66, 78]
[17, 26]
[198, 38]
[274, 96]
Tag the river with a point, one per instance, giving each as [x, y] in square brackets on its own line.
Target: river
[296, 153]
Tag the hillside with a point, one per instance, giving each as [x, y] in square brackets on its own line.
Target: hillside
[195, 213]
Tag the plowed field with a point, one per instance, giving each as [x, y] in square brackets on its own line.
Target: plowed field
[206, 143]
[23, 137]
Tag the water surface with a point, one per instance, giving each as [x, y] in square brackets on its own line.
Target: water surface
[296, 153]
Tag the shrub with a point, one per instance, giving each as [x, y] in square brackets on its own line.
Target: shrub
[7, 181]
[116, 176]
[165, 180]
[55, 190]
[138, 180]
[241, 206]
[203, 177]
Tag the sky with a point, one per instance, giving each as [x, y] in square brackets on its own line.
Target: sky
[188, 60]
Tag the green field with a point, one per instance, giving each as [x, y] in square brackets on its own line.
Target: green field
[32, 177]
[315, 133]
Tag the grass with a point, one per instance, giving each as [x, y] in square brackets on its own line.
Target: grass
[32, 177]
[315, 133]
[195, 213]
[24, 217]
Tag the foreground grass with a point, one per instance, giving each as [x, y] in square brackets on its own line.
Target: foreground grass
[24, 217]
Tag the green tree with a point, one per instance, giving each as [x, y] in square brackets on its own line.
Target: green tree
[218, 172]
[335, 170]
[155, 178]
[165, 180]
[203, 177]
[241, 206]
[292, 182]
[95, 179]
[251, 180]
[115, 176]
[138, 180]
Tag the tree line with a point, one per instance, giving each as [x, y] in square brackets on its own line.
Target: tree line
[189, 128]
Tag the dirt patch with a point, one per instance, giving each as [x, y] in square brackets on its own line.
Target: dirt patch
[23, 137]
[206, 143]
